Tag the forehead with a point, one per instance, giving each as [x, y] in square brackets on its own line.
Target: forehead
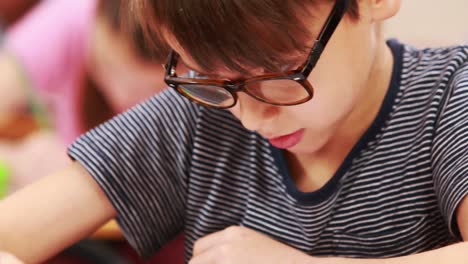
[243, 50]
[266, 45]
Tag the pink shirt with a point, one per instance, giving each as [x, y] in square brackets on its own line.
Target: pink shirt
[51, 45]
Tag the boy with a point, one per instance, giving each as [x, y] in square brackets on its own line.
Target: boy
[299, 151]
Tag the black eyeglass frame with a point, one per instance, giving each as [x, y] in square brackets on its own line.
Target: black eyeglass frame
[299, 75]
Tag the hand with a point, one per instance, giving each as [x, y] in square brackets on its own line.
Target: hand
[243, 245]
[6, 258]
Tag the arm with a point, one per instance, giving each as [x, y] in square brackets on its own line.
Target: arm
[38, 154]
[12, 90]
[6, 258]
[462, 218]
[46, 217]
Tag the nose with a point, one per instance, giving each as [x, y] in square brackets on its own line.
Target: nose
[255, 115]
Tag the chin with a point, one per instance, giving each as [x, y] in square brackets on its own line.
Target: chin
[305, 149]
[309, 145]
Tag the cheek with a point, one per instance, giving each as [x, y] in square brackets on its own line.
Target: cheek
[329, 106]
[127, 90]
[337, 80]
[235, 111]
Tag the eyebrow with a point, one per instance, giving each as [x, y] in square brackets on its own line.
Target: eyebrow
[295, 60]
[211, 75]
[190, 67]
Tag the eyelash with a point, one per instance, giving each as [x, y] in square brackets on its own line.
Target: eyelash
[194, 74]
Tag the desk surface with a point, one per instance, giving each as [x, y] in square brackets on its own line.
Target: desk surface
[109, 231]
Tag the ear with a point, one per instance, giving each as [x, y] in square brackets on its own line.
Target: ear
[383, 9]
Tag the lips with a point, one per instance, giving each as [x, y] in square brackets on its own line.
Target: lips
[287, 141]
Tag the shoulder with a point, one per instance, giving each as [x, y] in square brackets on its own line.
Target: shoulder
[441, 61]
[432, 93]
[430, 74]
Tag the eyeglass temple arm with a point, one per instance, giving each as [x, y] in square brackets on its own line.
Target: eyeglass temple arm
[329, 27]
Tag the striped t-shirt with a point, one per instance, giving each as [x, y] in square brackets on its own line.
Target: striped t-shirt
[169, 165]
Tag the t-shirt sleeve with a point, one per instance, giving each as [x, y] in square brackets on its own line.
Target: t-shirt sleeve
[51, 40]
[141, 160]
[450, 148]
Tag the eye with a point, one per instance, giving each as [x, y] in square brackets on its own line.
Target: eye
[196, 75]
[290, 66]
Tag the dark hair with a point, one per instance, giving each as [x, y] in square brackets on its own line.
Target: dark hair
[237, 34]
[111, 11]
[11, 11]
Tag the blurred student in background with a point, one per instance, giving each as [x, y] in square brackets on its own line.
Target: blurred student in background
[73, 68]
[72, 64]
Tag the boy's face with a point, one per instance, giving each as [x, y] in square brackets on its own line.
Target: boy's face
[342, 82]
[124, 78]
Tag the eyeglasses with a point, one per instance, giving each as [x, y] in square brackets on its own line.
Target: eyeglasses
[283, 89]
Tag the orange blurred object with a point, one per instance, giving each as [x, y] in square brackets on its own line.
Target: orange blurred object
[109, 231]
[17, 126]
[20, 125]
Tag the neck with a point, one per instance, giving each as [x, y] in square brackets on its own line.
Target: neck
[371, 99]
[332, 154]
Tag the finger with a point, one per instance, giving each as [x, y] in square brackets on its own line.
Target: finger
[8, 259]
[215, 239]
[205, 243]
[205, 257]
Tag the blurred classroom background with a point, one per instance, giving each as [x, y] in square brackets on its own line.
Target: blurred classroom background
[420, 22]
[10, 10]
[66, 67]
[430, 22]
